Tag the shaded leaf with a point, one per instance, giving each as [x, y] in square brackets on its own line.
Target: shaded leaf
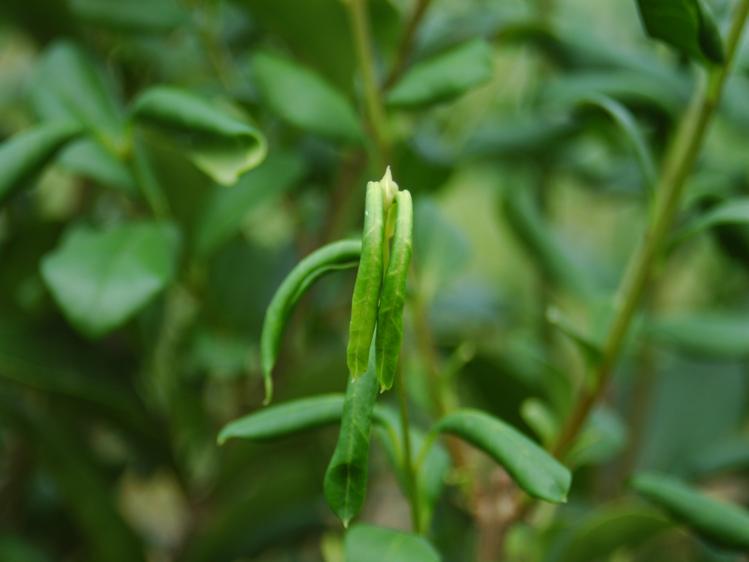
[345, 484]
[732, 212]
[24, 155]
[100, 279]
[534, 470]
[710, 333]
[15, 549]
[133, 15]
[444, 76]
[687, 25]
[725, 455]
[221, 145]
[367, 543]
[305, 100]
[721, 522]
[604, 436]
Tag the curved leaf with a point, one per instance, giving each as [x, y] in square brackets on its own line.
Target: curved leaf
[102, 278]
[390, 314]
[444, 76]
[710, 333]
[23, 156]
[219, 144]
[733, 211]
[305, 100]
[367, 543]
[687, 25]
[346, 477]
[721, 522]
[337, 255]
[534, 470]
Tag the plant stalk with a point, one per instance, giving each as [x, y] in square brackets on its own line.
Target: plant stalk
[679, 163]
[372, 95]
[407, 42]
[408, 463]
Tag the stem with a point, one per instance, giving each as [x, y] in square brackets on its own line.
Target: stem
[372, 94]
[679, 164]
[407, 42]
[408, 464]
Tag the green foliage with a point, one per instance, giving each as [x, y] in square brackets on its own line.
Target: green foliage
[366, 543]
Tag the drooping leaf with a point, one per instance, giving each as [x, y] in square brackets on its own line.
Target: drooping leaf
[390, 314]
[221, 145]
[284, 419]
[687, 25]
[100, 279]
[609, 529]
[723, 523]
[67, 85]
[534, 470]
[305, 100]
[345, 484]
[337, 255]
[732, 212]
[224, 212]
[711, 333]
[444, 76]
[24, 155]
[367, 543]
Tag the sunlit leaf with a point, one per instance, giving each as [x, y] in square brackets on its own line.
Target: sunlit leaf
[367, 543]
[221, 145]
[101, 278]
[721, 522]
[534, 470]
[304, 99]
[444, 76]
[24, 155]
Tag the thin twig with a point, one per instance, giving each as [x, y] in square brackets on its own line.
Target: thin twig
[406, 45]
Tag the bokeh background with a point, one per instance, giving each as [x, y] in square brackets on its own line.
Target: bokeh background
[529, 200]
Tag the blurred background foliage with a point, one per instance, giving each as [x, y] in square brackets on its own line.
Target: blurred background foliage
[133, 285]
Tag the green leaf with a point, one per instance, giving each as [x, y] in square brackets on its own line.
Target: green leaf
[221, 145]
[305, 100]
[592, 350]
[534, 470]
[734, 212]
[444, 76]
[604, 436]
[721, 522]
[605, 531]
[711, 333]
[332, 257]
[225, 211]
[687, 25]
[367, 543]
[25, 154]
[365, 299]
[100, 279]
[285, 419]
[540, 418]
[389, 336]
[68, 86]
[90, 159]
[345, 484]
[15, 549]
[134, 15]
[726, 455]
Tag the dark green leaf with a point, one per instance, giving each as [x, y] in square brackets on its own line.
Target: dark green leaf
[534, 470]
[367, 543]
[337, 255]
[102, 278]
[725, 455]
[15, 549]
[731, 212]
[444, 76]
[687, 25]
[224, 213]
[24, 155]
[221, 145]
[133, 15]
[304, 99]
[721, 522]
[345, 483]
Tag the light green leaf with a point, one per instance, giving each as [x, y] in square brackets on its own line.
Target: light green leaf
[540, 418]
[25, 154]
[100, 279]
[305, 100]
[734, 211]
[687, 25]
[67, 85]
[225, 211]
[603, 532]
[711, 333]
[721, 522]
[345, 484]
[532, 468]
[332, 257]
[367, 543]
[88, 158]
[221, 145]
[444, 76]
